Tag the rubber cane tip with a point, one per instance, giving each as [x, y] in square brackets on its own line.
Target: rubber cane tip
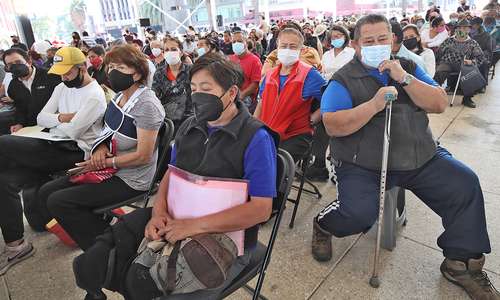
[374, 282]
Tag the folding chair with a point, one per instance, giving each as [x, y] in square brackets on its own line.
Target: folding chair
[394, 216]
[262, 255]
[306, 161]
[166, 135]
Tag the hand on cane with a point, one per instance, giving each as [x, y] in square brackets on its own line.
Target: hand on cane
[383, 95]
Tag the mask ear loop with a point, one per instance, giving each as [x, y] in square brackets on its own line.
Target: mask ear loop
[229, 104]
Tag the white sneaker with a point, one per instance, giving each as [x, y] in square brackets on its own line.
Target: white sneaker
[12, 255]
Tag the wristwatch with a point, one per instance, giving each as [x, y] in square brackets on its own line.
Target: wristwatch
[407, 79]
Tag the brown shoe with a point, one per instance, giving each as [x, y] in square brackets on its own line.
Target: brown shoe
[472, 278]
[321, 243]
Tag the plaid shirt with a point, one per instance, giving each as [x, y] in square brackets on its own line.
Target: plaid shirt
[452, 51]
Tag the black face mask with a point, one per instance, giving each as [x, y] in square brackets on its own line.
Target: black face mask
[120, 81]
[207, 107]
[411, 44]
[74, 83]
[19, 70]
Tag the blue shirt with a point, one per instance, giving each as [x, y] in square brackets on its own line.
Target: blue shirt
[336, 97]
[312, 84]
[259, 164]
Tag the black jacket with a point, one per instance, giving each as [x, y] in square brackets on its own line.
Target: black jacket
[484, 40]
[101, 76]
[29, 104]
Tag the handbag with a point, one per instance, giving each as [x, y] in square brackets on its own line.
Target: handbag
[96, 176]
[200, 262]
[471, 80]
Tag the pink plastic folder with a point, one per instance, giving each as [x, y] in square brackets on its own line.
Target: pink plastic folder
[192, 196]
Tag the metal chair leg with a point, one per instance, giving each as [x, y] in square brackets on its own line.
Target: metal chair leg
[251, 290]
[299, 194]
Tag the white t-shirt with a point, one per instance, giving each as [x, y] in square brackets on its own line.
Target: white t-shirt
[429, 61]
[435, 41]
[152, 70]
[332, 63]
[29, 82]
[88, 103]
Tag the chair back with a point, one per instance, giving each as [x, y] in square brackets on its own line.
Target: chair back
[165, 134]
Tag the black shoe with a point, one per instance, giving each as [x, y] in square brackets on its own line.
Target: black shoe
[100, 296]
[467, 101]
[317, 174]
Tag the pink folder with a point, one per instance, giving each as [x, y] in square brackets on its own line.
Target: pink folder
[192, 196]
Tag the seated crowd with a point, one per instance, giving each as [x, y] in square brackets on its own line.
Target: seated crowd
[234, 99]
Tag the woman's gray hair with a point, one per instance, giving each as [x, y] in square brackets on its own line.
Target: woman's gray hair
[370, 19]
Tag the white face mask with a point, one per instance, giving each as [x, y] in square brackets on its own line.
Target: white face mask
[373, 56]
[288, 56]
[156, 52]
[172, 57]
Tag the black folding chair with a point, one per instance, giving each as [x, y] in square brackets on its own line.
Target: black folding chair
[262, 255]
[166, 135]
[306, 161]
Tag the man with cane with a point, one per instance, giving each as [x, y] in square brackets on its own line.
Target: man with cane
[353, 113]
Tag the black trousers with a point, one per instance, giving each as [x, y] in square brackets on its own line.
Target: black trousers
[443, 71]
[6, 120]
[72, 204]
[23, 162]
[320, 145]
[297, 145]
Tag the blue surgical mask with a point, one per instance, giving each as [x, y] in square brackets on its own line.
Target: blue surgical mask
[201, 51]
[338, 43]
[238, 48]
[373, 56]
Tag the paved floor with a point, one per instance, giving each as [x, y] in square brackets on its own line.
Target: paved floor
[409, 272]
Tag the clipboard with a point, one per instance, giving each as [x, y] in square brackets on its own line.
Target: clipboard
[192, 196]
[38, 132]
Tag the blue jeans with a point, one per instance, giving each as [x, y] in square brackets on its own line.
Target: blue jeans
[447, 186]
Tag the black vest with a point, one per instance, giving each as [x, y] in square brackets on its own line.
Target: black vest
[411, 141]
[220, 154]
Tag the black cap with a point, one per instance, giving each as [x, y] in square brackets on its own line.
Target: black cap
[463, 23]
[476, 21]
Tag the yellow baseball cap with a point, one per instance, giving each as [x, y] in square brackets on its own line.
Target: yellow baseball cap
[65, 58]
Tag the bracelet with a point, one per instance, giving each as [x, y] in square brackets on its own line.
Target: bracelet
[113, 162]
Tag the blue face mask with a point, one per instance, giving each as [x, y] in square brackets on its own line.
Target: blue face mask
[373, 56]
[338, 43]
[201, 51]
[238, 48]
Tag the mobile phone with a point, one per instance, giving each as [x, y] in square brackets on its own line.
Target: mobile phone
[74, 171]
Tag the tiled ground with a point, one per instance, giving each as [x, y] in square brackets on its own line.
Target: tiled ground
[408, 272]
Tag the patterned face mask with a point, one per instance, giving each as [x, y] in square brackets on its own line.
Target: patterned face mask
[461, 34]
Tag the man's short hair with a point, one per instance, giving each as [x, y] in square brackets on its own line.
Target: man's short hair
[293, 31]
[85, 33]
[398, 32]
[369, 19]
[99, 50]
[222, 70]
[19, 51]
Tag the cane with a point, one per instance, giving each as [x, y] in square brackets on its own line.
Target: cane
[456, 88]
[456, 85]
[389, 98]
